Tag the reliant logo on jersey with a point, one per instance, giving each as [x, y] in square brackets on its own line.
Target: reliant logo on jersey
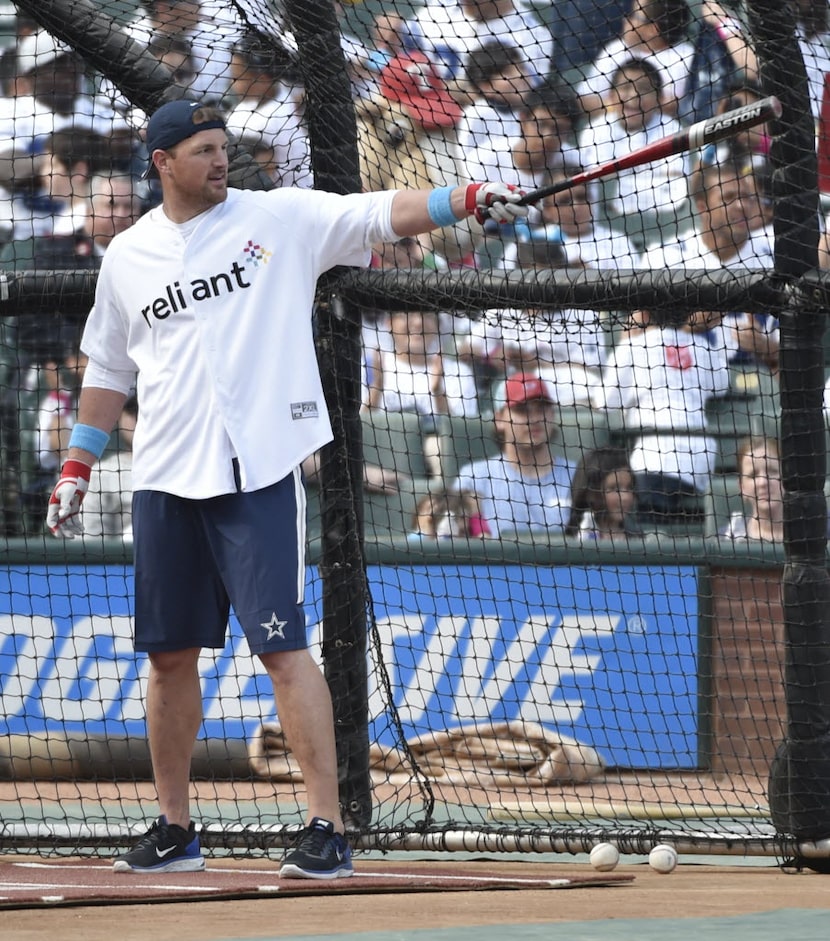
[176, 297]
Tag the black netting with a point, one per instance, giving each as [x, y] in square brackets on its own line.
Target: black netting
[575, 456]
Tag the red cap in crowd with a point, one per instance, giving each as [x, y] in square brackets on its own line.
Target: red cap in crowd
[412, 81]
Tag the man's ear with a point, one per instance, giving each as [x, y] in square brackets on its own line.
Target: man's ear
[160, 160]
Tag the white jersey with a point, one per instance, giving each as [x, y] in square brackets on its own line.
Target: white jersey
[657, 186]
[215, 317]
[407, 388]
[690, 251]
[661, 377]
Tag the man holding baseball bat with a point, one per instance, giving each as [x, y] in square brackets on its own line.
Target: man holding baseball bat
[208, 301]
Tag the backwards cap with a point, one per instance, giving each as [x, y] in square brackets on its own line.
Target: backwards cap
[176, 121]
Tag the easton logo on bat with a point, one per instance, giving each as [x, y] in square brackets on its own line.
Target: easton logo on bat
[735, 119]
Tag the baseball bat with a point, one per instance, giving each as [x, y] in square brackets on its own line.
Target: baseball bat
[708, 131]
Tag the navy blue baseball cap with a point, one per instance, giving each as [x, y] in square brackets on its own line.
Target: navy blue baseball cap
[176, 121]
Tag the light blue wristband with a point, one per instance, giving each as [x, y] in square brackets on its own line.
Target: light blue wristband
[439, 207]
[89, 438]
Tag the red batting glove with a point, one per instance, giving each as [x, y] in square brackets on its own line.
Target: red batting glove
[63, 516]
[499, 201]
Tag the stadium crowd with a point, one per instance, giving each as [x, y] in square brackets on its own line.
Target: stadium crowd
[460, 90]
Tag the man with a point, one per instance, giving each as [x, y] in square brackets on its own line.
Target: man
[209, 298]
[208, 28]
[268, 116]
[114, 205]
[732, 230]
[450, 31]
[50, 97]
[525, 487]
[660, 376]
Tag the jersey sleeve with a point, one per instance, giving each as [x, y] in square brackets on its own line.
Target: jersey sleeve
[105, 337]
[341, 228]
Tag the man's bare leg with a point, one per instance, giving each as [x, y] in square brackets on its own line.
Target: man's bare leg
[174, 714]
[305, 715]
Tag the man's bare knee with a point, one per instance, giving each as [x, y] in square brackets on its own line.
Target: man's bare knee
[174, 662]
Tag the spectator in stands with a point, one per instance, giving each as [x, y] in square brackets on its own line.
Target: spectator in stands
[416, 375]
[55, 382]
[581, 28]
[649, 202]
[411, 81]
[753, 142]
[603, 498]
[108, 504]
[660, 376]
[42, 336]
[404, 254]
[450, 33]
[525, 487]
[653, 30]
[723, 58]
[174, 52]
[388, 37]
[51, 98]
[572, 217]
[55, 203]
[568, 345]
[208, 32]
[759, 469]
[446, 514]
[499, 83]
[408, 135]
[546, 143]
[731, 230]
[269, 114]
[112, 206]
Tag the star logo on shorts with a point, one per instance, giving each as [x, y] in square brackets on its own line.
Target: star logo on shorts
[275, 627]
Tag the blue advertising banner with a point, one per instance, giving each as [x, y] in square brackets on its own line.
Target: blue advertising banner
[605, 655]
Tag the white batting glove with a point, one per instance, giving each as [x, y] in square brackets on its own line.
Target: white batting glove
[499, 201]
[63, 516]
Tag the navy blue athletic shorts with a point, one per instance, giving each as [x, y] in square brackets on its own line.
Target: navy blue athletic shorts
[194, 559]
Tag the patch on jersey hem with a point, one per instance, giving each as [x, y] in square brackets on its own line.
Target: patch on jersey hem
[303, 410]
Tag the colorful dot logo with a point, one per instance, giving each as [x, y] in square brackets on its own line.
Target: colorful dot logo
[256, 254]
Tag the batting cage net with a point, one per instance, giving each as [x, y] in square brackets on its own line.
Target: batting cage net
[566, 553]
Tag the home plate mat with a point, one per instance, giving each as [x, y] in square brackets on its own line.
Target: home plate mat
[29, 884]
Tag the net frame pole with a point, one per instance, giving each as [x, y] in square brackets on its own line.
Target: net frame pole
[332, 129]
[800, 777]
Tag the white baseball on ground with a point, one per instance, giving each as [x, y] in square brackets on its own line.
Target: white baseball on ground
[663, 858]
[604, 857]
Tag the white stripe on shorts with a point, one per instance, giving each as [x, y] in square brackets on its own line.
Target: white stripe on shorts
[302, 508]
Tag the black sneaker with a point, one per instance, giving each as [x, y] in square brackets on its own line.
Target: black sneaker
[319, 853]
[165, 847]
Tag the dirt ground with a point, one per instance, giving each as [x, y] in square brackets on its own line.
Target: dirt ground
[693, 890]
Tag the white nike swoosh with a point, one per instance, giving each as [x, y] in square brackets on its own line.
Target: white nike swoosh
[162, 853]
